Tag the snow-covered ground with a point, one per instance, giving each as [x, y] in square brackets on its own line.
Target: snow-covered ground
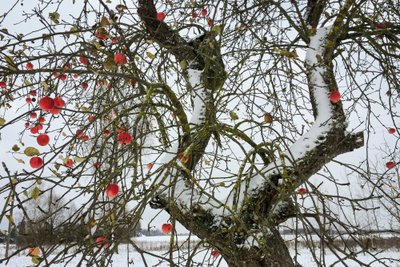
[127, 256]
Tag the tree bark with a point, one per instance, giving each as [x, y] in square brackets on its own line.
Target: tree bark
[274, 253]
[263, 248]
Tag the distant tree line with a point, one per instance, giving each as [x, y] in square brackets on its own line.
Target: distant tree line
[48, 222]
[29, 233]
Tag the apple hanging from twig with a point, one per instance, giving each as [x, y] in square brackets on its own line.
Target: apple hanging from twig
[43, 139]
[36, 162]
[120, 58]
[215, 253]
[101, 242]
[29, 66]
[46, 103]
[112, 190]
[166, 228]
[161, 16]
[390, 164]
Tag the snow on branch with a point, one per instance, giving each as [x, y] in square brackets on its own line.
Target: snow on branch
[173, 178]
[326, 121]
[320, 95]
[176, 188]
[200, 97]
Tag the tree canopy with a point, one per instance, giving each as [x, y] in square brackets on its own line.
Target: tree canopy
[237, 118]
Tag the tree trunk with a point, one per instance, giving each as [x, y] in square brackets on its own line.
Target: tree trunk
[274, 253]
[247, 237]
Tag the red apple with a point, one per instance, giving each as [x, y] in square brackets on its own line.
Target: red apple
[124, 138]
[43, 139]
[114, 40]
[41, 120]
[133, 82]
[390, 164]
[84, 61]
[112, 190]
[204, 12]
[32, 92]
[182, 158]
[102, 36]
[55, 111]
[166, 228]
[69, 163]
[106, 132]
[79, 134]
[33, 115]
[27, 124]
[55, 75]
[101, 242]
[391, 130]
[63, 77]
[120, 58]
[29, 66]
[215, 253]
[161, 16]
[301, 190]
[59, 102]
[149, 166]
[36, 162]
[101, 33]
[85, 85]
[2, 84]
[194, 15]
[85, 138]
[28, 100]
[39, 126]
[334, 97]
[34, 130]
[76, 76]
[91, 118]
[46, 103]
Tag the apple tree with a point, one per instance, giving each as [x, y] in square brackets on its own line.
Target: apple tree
[237, 118]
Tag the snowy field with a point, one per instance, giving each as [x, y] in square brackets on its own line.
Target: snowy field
[127, 256]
